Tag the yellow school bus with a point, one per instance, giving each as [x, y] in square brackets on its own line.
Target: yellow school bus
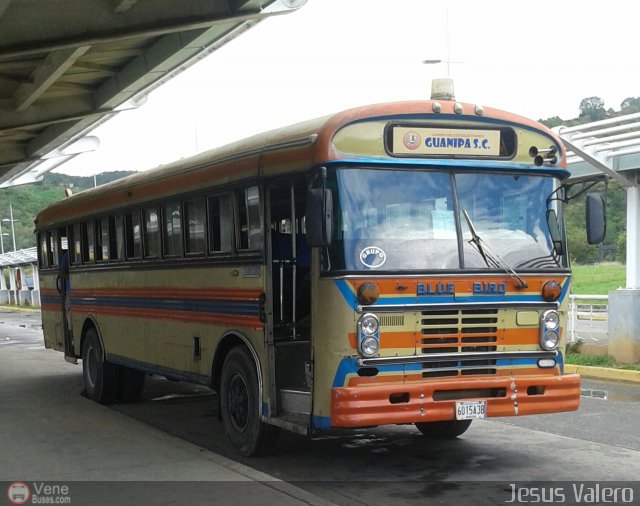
[390, 264]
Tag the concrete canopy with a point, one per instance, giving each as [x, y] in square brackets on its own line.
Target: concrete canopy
[67, 66]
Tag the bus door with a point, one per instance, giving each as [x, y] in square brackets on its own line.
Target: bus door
[289, 291]
[59, 247]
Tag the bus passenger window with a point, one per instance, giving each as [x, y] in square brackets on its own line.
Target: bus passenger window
[44, 256]
[75, 241]
[53, 248]
[151, 233]
[194, 214]
[249, 224]
[220, 223]
[133, 229]
[172, 230]
[88, 242]
[102, 239]
[116, 237]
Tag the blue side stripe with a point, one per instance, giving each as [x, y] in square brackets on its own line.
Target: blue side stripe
[194, 305]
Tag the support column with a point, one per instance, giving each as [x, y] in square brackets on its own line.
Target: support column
[13, 293]
[35, 293]
[633, 237]
[624, 317]
[4, 291]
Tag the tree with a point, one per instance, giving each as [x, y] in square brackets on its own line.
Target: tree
[553, 121]
[630, 105]
[592, 109]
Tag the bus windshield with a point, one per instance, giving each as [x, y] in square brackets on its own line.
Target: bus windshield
[391, 220]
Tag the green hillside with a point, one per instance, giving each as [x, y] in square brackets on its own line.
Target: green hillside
[28, 200]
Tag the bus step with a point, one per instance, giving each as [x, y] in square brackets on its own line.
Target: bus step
[295, 401]
[298, 423]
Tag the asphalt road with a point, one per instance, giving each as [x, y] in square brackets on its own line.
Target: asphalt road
[396, 464]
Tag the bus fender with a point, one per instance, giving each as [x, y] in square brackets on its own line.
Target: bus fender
[228, 341]
[89, 322]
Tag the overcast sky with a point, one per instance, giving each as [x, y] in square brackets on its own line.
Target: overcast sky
[535, 58]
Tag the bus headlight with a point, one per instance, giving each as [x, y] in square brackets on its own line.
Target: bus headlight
[549, 330]
[369, 347]
[369, 324]
[368, 335]
[551, 320]
[550, 340]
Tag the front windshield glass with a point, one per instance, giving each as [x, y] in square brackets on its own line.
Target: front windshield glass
[403, 220]
[509, 214]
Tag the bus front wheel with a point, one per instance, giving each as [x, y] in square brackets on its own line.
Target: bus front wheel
[240, 406]
[100, 377]
[448, 429]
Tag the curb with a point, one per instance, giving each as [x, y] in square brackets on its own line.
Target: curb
[604, 373]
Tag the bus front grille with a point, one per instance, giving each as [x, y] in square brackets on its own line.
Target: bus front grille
[454, 331]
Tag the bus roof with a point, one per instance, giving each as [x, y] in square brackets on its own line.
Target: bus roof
[295, 148]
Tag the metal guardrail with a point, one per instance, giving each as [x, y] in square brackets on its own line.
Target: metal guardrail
[588, 319]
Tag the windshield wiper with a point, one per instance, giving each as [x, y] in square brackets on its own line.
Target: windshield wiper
[491, 258]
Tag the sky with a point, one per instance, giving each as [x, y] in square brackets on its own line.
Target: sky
[534, 58]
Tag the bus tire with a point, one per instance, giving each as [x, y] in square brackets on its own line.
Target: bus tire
[240, 406]
[131, 384]
[448, 429]
[100, 377]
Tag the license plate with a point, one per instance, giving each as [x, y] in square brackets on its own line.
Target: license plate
[469, 410]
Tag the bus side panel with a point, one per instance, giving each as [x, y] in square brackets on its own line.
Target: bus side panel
[332, 322]
[51, 310]
[170, 320]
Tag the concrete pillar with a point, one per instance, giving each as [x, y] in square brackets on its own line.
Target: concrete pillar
[4, 291]
[35, 293]
[624, 317]
[13, 293]
[633, 237]
[624, 325]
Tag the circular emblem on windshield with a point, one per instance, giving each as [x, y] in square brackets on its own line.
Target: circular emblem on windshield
[373, 257]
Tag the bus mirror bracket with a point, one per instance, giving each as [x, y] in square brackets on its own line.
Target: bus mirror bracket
[319, 217]
[554, 231]
[595, 218]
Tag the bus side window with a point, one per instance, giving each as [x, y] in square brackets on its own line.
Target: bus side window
[53, 248]
[220, 223]
[194, 219]
[102, 239]
[88, 242]
[249, 223]
[151, 233]
[133, 234]
[116, 237]
[44, 256]
[75, 241]
[172, 230]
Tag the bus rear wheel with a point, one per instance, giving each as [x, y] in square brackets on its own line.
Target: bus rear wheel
[101, 379]
[240, 406]
[448, 429]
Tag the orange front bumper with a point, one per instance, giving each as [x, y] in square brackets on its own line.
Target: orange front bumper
[414, 402]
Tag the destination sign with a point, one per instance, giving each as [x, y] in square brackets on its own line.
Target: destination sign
[445, 141]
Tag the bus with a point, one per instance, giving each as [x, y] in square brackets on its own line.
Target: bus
[398, 263]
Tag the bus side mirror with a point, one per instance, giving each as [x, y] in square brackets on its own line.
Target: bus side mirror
[319, 217]
[554, 231]
[595, 218]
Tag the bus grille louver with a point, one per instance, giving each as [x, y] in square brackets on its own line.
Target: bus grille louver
[453, 331]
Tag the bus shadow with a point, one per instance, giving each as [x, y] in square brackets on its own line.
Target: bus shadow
[388, 453]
